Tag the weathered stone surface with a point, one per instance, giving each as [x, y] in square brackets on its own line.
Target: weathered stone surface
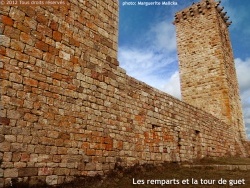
[4, 41]
[203, 85]
[10, 173]
[4, 121]
[68, 109]
[24, 172]
[52, 180]
[45, 171]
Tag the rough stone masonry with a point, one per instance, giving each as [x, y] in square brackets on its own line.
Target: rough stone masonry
[68, 109]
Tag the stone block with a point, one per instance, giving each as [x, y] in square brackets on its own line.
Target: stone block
[4, 41]
[24, 172]
[10, 173]
[10, 138]
[26, 38]
[23, 28]
[62, 171]
[17, 45]
[57, 36]
[5, 146]
[7, 20]
[13, 114]
[20, 165]
[22, 57]
[64, 55]
[44, 30]
[45, 171]
[4, 121]
[30, 82]
[32, 51]
[17, 14]
[52, 180]
[30, 22]
[7, 156]
[42, 46]
[90, 166]
[12, 32]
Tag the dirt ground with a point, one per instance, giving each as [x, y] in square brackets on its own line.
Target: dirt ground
[171, 175]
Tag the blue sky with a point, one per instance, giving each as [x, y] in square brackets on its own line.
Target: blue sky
[147, 46]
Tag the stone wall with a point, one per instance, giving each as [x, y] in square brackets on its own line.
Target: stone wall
[247, 146]
[68, 109]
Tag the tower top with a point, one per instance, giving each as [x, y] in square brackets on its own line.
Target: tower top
[202, 7]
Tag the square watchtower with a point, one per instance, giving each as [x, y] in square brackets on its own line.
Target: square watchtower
[207, 70]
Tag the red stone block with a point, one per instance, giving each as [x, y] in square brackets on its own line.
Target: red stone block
[57, 76]
[7, 20]
[16, 102]
[64, 136]
[74, 59]
[38, 76]
[30, 82]
[25, 157]
[42, 46]
[29, 10]
[74, 42]
[4, 74]
[30, 117]
[23, 28]
[94, 74]
[26, 38]
[109, 147]
[45, 171]
[12, 32]
[90, 152]
[29, 50]
[57, 36]
[22, 57]
[53, 25]
[48, 57]
[43, 86]
[2, 50]
[42, 19]
[4, 121]
[53, 50]
[44, 30]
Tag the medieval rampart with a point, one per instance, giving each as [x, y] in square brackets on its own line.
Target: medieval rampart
[67, 109]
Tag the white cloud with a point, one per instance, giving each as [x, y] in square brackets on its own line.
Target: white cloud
[151, 67]
[243, 70]
[164, 36]
[155, 62]
[173, 85]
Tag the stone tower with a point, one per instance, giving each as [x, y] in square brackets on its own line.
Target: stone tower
[207, 70]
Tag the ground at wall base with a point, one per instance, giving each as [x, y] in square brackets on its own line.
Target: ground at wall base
[200, 169]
